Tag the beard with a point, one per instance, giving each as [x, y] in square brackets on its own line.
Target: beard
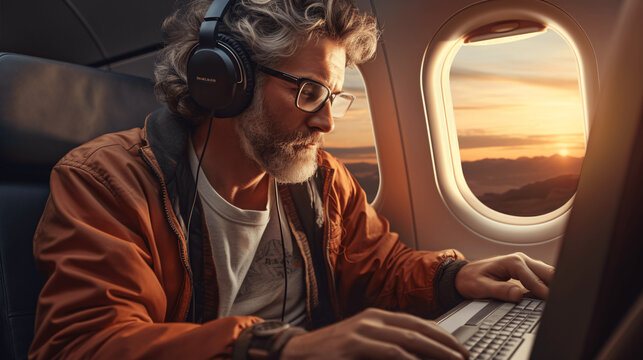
[289, 157]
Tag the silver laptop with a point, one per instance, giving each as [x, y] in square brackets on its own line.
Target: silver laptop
[492, 329]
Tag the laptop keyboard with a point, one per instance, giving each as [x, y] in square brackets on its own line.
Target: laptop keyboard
[500, 333]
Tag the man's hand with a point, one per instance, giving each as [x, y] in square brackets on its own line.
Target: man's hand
[487, 278]
[376, 334]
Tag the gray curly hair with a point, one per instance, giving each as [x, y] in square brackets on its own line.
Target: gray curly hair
[270, 29]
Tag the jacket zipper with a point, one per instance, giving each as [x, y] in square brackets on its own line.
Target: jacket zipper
[164, 197]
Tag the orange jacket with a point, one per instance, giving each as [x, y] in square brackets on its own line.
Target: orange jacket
[111, 245]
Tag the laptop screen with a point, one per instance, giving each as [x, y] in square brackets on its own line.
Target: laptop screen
[598, 275]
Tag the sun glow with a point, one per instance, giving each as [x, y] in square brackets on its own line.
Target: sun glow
[517, 100]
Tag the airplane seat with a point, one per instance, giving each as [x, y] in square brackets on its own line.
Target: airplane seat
[46, 109]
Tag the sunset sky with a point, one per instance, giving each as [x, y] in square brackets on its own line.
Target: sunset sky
[517, 99]
[510, 100]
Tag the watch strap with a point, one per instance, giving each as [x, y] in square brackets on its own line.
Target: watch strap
[281, 341]
[252, 345]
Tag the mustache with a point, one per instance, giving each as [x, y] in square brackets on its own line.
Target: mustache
[300, 139]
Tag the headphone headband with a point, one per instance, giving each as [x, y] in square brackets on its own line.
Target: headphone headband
[220, 73]
[208, 30]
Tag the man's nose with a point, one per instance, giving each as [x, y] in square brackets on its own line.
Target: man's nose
[322, 120]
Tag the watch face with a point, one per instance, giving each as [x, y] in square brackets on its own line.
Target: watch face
[269, 328]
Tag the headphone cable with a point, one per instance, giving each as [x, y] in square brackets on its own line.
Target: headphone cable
[196, 181]
[283, 246]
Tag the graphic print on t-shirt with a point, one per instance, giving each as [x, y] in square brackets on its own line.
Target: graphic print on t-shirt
[267, 271]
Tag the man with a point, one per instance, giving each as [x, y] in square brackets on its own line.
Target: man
[138, 266]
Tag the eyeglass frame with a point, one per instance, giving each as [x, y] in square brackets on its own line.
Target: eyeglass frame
[298, 80]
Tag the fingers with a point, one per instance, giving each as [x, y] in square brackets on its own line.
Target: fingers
[427, 328]
[376, 334]
[488, 277]
[416, 335]
[374, 349]
[414, 342]
[501, 290]
[542, 270]
[519, 269]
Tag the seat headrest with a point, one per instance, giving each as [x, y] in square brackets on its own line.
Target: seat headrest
[49, 107]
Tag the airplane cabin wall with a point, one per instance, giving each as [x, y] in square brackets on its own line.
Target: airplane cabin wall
[409, 196]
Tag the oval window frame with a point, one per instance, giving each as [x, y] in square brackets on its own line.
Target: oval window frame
[436, 94]
[358, 70]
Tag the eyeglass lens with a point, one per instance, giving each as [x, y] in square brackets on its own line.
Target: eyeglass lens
[340, 104]
[312, 96]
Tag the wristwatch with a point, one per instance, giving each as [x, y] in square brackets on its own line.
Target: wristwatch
[264, 340]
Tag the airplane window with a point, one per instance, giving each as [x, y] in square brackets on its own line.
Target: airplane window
[519, 118]
[353, 141]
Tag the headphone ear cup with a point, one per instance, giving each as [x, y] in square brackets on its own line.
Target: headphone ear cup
[221, 79]
[244, 90]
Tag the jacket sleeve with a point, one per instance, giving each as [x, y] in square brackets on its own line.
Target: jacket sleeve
[373, 268]
[104, 294]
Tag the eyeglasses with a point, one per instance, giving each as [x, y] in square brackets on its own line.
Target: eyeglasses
[312, 95]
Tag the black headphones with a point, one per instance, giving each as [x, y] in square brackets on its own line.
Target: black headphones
[221, 79]
[220, 72]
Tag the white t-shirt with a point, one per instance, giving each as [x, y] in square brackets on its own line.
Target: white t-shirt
[246, 247]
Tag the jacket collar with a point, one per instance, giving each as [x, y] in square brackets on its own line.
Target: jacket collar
[167, 135]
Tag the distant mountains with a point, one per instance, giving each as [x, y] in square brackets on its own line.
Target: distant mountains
[500, 175]
[533, 199]
[526, 186]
